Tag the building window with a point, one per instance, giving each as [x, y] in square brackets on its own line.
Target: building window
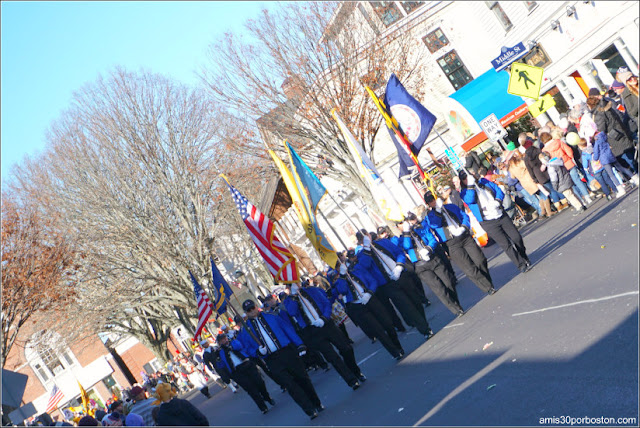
[499, 12]
[530, 5]
[387, 11]
[47, 358]
[455, 70]
[435, 40]
[410, 6]
[536, 57]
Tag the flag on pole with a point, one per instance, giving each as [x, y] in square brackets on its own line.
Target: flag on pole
[221, 288]
[279, 260]
[306, 191]
[383, 196]
[84, 397]
[414, 121]
[55, 398]
[205, 308]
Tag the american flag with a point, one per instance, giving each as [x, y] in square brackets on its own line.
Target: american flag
[55, 397]
[205, 308]
[279, 260]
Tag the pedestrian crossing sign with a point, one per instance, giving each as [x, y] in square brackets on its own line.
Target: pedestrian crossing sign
[526, 80]
[543, 104]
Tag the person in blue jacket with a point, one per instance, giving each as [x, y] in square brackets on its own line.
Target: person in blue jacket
[245, 372]
[385, 262]
[451, 226]
[270, 337]
[484, 199]
[419, 242]
[311, 311]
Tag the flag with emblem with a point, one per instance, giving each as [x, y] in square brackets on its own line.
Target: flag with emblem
[55, 398]
[221, 288]
[205, 307]
[279, 260]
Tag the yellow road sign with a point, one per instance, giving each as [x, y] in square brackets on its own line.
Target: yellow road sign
[526, 80]
[542, 105]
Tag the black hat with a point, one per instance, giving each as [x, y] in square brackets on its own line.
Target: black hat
[359, 236]
[428, 197]
[462, 174]
[351, 253]
[411, 216]
[248, 304]
[381, 230]
[220, 336]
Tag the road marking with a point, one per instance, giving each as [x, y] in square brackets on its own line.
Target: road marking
[366, 358]
[576, 303]
[454, 325]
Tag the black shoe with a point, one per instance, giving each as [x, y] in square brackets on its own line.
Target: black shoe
[492, 291]
[326, 369]
[401, 330]
[351, 342]
[320, 408]
[374, 340]
[313, 415]
[355, 385]
[362, 378]
[526, 268]
[400, 356]
[283, 389]
[271, 401]
[429, 335]
[426, 303]
[265, 410]
[460, 313]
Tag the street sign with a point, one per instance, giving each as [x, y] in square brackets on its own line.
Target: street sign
[456, 163]
[508, 55]
[492, 127]
[542, 105]
[526, 80]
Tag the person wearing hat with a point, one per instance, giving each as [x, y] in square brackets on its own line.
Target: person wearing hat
[311, 312]
[141, 404]
[211, 360]
[268, 336]
[451, 227]
[484, 199]
[387, 263]
[244, 371]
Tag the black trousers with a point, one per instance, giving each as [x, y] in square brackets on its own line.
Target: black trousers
[435, 275]
[469, 257]
[405, 297]
[287, 366]
[416, 281]
[322, 338]
[375, 322]
[343, 329]
[504, 233]
[443, 252]
[246, 375]
[261, 363]
[385, 299]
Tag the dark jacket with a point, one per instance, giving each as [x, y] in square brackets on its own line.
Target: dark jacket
[282, 331]
[211, 359]
[609, 122]
[533, 164]
[560, 177]
[179, 412]
[473, 162]
[602, 150]
[630, 102]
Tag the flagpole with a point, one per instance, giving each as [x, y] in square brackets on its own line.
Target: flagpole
[331, 227]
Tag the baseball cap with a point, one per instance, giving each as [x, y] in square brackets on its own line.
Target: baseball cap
[593, 92]
[351, 253]
[248, 305]
[428, 197]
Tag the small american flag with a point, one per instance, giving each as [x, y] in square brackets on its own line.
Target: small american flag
[55, 397]
[205, 308]
[279, 260]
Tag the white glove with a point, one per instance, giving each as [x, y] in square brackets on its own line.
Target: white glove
[496, 203]
[366, 242]
[406, 227]
[471, 180]
[317, 323]
[439, 204]
[396, 272]
[424, 254]
[263, 350]
[457, 231]
[343, 269]
[365, 298]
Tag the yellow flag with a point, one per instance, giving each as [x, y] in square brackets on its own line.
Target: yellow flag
[308, 223]
[85, 398]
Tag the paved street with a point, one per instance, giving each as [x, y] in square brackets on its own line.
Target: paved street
[564, 342]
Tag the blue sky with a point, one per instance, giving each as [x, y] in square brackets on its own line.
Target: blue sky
[51, 49]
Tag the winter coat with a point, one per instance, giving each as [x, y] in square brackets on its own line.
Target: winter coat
[608, 121]
[179, 412]
[518, 170]
[593, 166]
[630, 104]
[367, 269]
[470, 197]
[283, 332]
[602, 150]
[473, 162]
[560, 177]
[561, 150]
[436, 222]
[316, 296]
[533, 164]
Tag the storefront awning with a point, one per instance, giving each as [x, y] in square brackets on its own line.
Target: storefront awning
[475, 101]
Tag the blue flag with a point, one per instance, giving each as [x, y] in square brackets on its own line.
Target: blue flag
[414, 120]
[221, 288]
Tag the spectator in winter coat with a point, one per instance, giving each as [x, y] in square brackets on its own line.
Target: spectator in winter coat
[558, 149]
[618, 135]
[175, 411]
[534, 166]
[630, 97]
[602, 152]
[519, 171]
[472, 162]
[595, 168]
[560, 179]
